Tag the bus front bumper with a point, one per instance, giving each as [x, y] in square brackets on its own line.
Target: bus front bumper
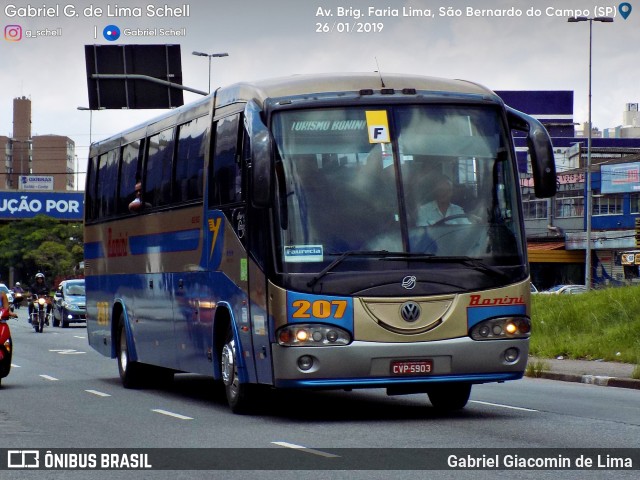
[370, 365]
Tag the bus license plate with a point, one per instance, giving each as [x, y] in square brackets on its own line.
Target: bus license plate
[411, 367]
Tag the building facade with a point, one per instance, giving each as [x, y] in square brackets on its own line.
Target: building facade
[54, 155]
[40, 161]
[556, 227]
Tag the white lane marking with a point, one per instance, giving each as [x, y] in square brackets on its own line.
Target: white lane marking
[171, 414]
[504, 406]
[48, 377]
[15, 366]
[99, 394]
[67, 351]
[306, 449]
[79, 336]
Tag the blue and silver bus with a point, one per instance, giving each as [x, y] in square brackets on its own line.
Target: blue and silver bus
[320, 232]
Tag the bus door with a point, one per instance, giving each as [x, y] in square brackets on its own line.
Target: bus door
[237, 282]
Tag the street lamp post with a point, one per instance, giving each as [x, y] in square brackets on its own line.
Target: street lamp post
[90, 120]
[84, 109]
[587, 260]
[77, 167]
[202, 54]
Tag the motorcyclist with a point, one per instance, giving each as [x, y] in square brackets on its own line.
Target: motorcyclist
[40, 287]
[18, 295]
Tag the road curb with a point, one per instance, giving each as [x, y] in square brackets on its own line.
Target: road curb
[599, 380]
[624, 383]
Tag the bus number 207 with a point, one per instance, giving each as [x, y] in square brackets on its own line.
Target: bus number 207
[319, 308]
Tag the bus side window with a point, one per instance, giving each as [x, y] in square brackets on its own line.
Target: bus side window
[189, 163]
[157, 181]
[129, 175]
[107, 182]
[90, 197]
[226, 180]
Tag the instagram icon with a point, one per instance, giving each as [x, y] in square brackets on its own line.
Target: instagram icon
[13, 33]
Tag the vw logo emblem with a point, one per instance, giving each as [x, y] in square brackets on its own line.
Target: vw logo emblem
[409, 282]
[410, 311]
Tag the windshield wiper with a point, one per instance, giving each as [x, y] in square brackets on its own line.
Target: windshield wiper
[349, 253]
[473, 262]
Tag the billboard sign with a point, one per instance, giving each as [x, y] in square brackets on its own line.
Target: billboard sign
[620, 178]
[116, 76]
[37, 183]
[20, 205]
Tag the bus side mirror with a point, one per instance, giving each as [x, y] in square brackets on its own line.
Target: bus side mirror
[260, 157]
[543, 163]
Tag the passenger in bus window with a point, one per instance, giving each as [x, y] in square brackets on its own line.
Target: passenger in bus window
[137, 204]
[441, 207]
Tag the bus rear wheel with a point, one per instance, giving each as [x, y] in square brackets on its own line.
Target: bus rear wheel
[450, 397]
[239, 395]
[130, 372]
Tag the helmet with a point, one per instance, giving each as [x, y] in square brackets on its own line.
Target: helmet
[39, 275]
[17, 284]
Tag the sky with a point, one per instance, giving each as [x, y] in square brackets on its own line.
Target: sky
[502, 44]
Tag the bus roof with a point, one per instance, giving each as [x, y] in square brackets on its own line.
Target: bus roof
[295, 86]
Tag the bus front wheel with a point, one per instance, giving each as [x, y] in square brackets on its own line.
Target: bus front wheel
[450, 397]
[238, 394]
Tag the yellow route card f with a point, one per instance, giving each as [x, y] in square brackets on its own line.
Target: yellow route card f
[378, 126]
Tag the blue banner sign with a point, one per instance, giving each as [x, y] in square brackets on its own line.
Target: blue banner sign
[20, 205]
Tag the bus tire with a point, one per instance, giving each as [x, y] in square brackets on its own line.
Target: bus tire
[239, 395]
[450, 397]
[130, 372]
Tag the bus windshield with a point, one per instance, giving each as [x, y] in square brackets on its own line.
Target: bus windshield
[440, 186]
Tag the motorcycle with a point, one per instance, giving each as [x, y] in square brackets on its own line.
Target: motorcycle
[39, 315]
[6, 346]
[18, 297]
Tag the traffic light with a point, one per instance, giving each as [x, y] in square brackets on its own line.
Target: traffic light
[637, 232]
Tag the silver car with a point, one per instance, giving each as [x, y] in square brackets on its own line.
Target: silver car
[69, 303]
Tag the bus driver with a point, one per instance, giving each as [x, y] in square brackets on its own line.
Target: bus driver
[441, 207]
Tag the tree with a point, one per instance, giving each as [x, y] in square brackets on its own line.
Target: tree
[53, 258]
[42, 244]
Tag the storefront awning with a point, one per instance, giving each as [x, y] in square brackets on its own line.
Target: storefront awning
[553, 252]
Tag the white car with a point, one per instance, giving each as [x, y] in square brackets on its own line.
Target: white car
[9, 293]
[566, 290]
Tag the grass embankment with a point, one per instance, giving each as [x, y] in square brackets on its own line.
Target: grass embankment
[601, 324]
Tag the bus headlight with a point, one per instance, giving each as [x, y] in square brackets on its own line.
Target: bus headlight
[312, 335]
[502, 328]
